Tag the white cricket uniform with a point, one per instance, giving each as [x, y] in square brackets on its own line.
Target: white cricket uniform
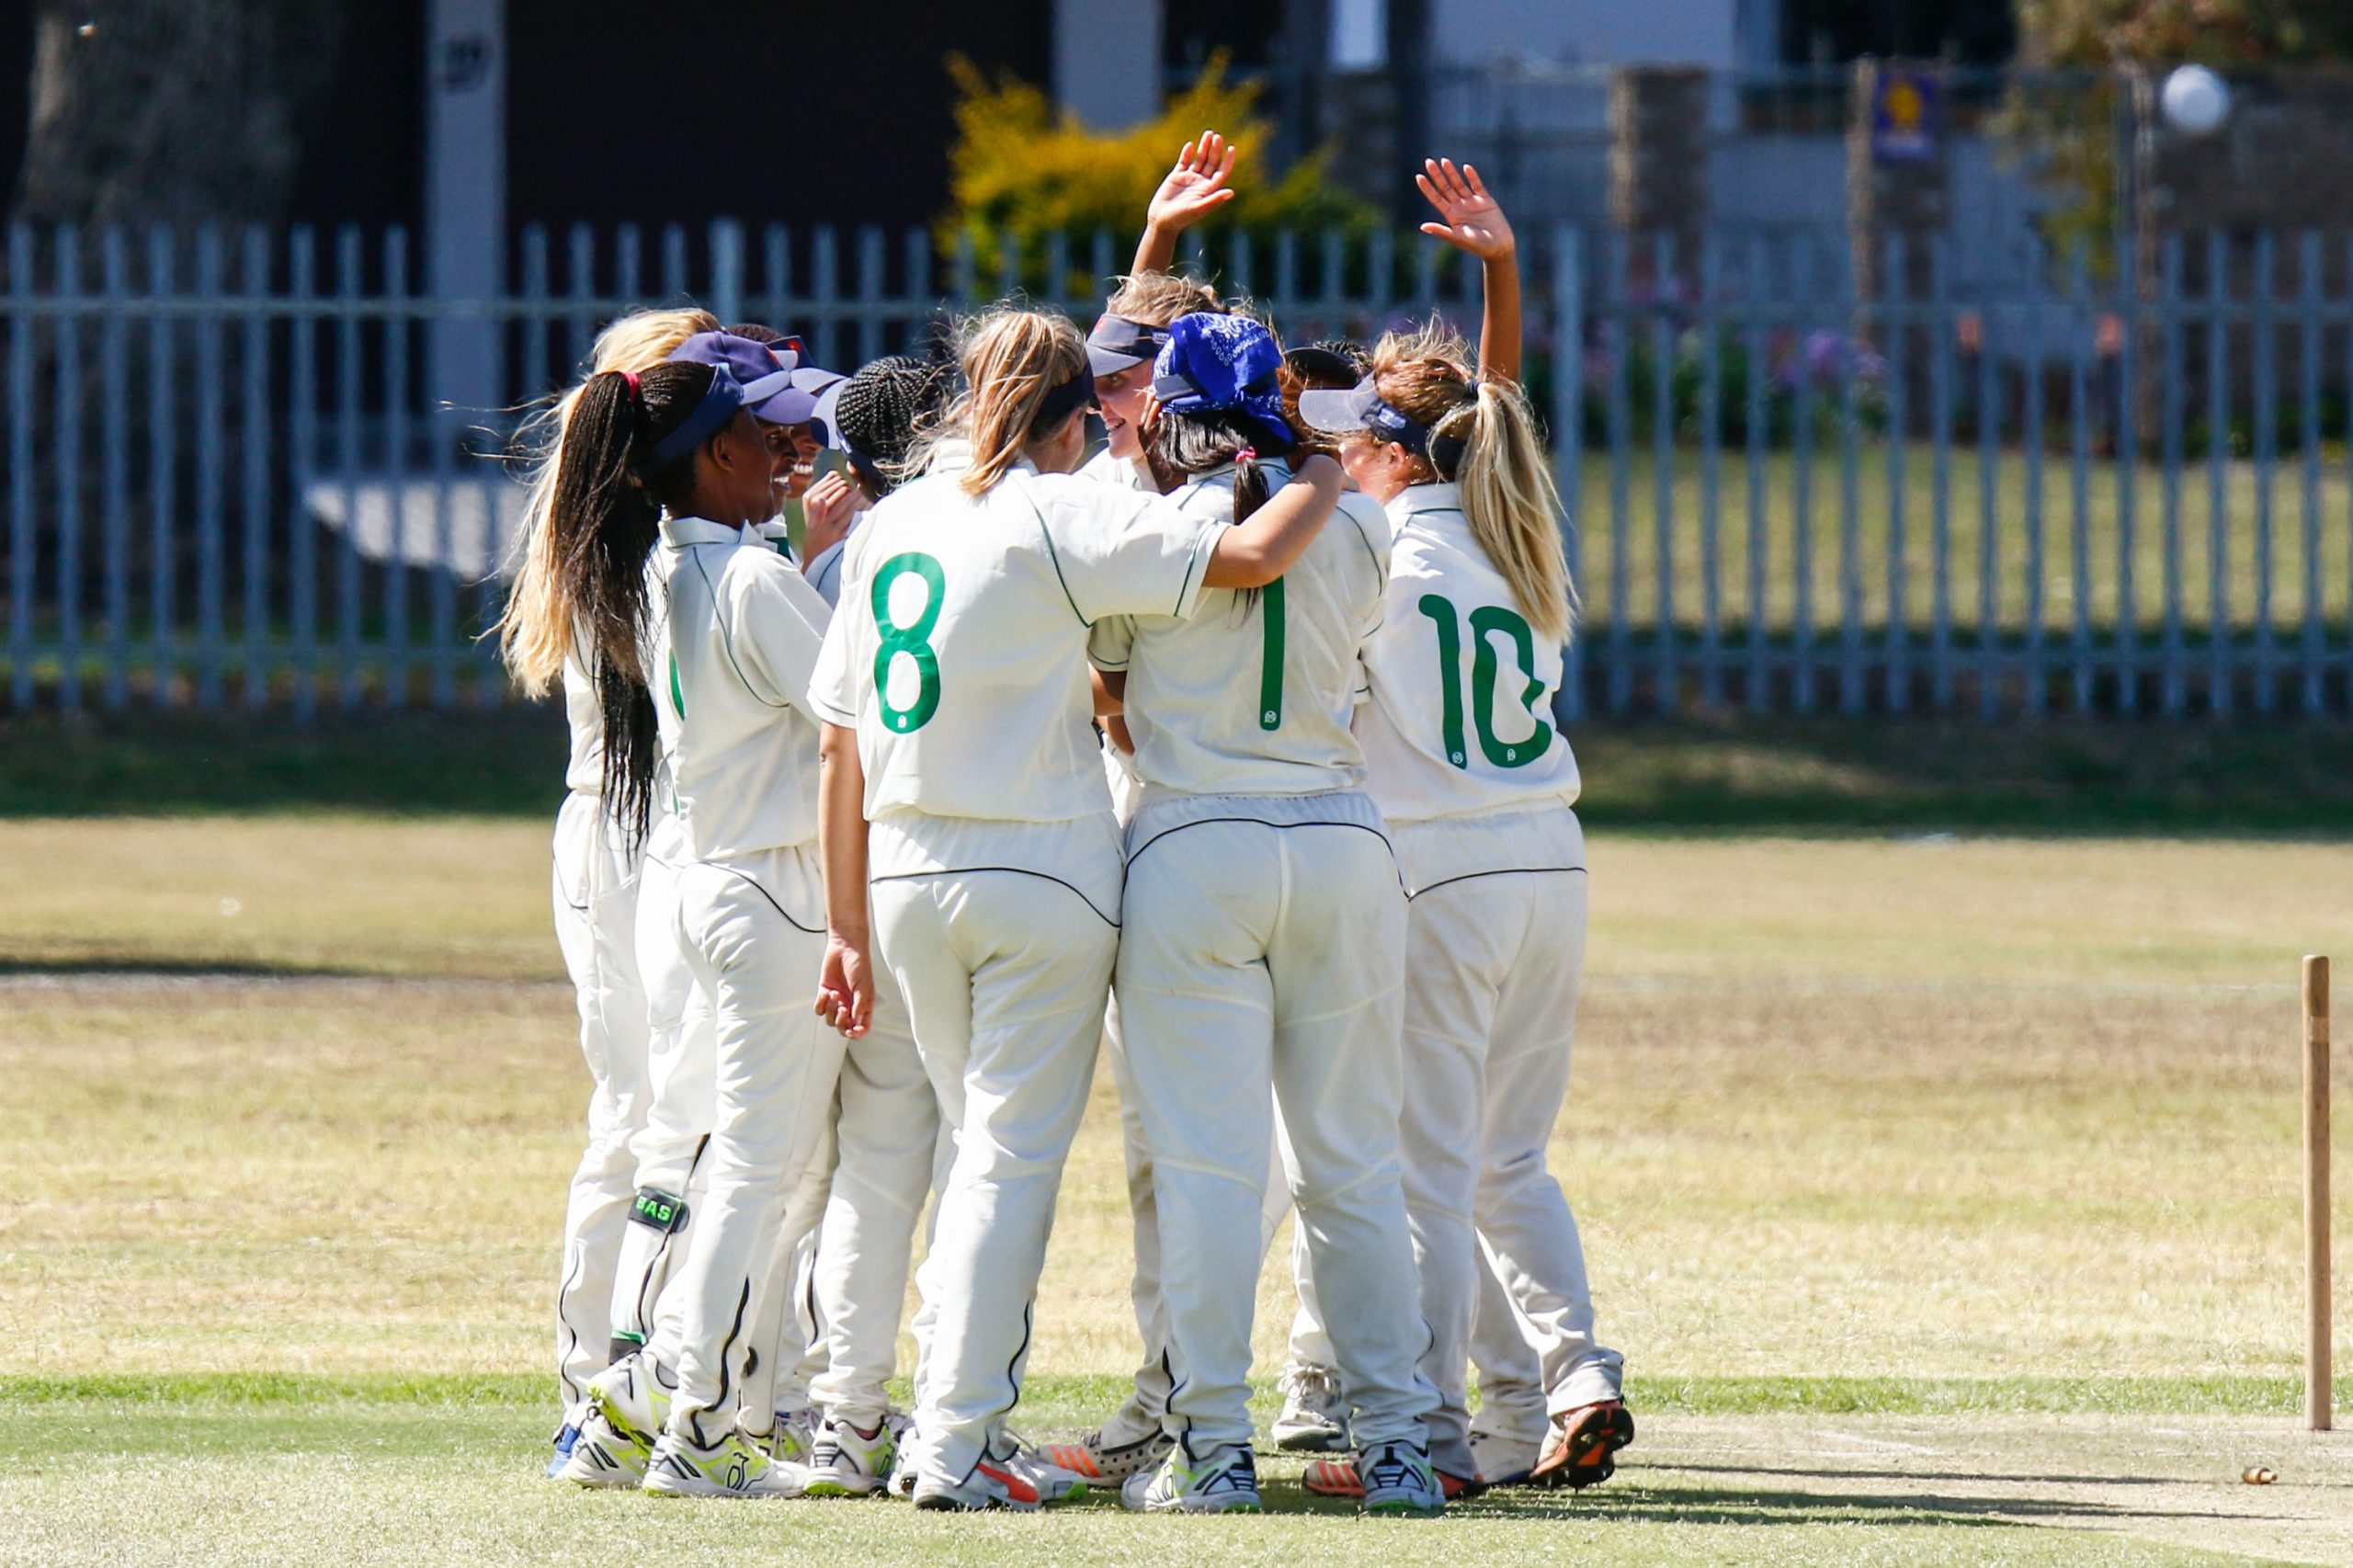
[889, 1152]
[595, 888]
[1105, 469]
[1479, 787]
[730, 663]
[682, 1059]
[959, 657]
[1261, 949]
[683, 1055]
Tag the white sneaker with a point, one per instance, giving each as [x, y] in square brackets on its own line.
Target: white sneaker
[567, 1432]
[602, 1457]
[1504, 1461]
[1398, 1480]
[1224, 1482]
[1052, 1482]
[992, 1484]
[736, 1467]
[794, 1435]
[847, 1462]
[633, 1397]
[1314, 1418]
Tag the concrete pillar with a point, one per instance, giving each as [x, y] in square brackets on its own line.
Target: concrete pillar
[465, 197]
[1658, 159]
[1107, 60]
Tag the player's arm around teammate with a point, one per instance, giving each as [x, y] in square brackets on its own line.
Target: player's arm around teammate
[962, 776]
[1479, 787]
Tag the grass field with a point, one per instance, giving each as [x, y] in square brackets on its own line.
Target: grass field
[1941, 1190]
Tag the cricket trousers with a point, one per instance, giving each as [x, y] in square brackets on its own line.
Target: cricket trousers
[1495, 951]
[1146, 1409]
[1261, 961]
[595, 885]
[682, 1067]
[891, 1153]
[754, 926]
[1002, 937]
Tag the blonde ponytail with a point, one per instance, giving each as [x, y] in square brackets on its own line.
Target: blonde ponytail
[1507, 491]
[536, 628]
[1509, 498]
[1012, 358]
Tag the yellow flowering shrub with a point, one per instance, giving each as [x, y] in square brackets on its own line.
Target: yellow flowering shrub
[1021, 166]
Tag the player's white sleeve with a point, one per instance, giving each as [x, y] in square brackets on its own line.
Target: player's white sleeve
[774, 623]
[838, 686]
[1121, 553]
[1112, 643]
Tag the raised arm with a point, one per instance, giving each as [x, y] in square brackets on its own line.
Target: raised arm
[1475, 222]
[1253, 553]
[845, 984]
[1194, 188]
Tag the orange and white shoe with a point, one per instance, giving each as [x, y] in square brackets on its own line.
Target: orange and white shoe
[1023, 1482]
[1583, 1447]
[1338, 1478]
[1112, 1463]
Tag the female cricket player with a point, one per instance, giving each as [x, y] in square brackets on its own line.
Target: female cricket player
[1261, 945]
[596, 887]
[955, 691]
[1478, 787]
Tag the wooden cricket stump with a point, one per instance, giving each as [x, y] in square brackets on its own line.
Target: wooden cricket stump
[2319, 1403]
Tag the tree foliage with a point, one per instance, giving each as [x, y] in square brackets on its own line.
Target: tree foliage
[2162, 32]
[1022, 168]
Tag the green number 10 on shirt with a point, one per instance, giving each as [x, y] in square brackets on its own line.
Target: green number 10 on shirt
[1488, 621]
[907, 637]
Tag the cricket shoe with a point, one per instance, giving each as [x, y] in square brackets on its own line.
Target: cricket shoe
[603, 1456]
[1098, 1460]
[1502, 1461]
[1338, 1478]
[633, 1397]
[1224, 1482]
[993, 1483]
[1583, 1448]
[566, 1434]
[1053, 1483]
[794, 1435]
[736, 1466]
[1397, 1479]
[1314, 1418]
[847, 1462]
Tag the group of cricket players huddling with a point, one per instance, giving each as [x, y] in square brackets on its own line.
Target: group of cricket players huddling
[1228, 750]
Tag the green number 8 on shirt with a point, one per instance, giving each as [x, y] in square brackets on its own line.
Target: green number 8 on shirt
[904, 657]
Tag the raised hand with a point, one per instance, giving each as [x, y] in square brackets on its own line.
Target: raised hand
[1196, 186]
[1474, 221]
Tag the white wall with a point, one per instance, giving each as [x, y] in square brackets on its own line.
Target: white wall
[1107, 60]
[1606, 32]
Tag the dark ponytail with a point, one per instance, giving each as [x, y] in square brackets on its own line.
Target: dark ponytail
[604, 515]
[1182, 445]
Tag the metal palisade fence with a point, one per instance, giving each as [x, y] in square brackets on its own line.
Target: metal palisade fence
[259, 469]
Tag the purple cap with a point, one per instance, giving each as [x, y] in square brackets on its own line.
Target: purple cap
[777, 387]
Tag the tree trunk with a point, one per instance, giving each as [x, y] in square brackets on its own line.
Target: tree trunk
[173, 111]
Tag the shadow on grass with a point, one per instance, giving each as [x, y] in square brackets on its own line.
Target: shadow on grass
[1831, 776]
[131, 970]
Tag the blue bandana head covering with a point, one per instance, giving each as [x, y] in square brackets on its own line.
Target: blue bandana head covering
[1214, 361]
